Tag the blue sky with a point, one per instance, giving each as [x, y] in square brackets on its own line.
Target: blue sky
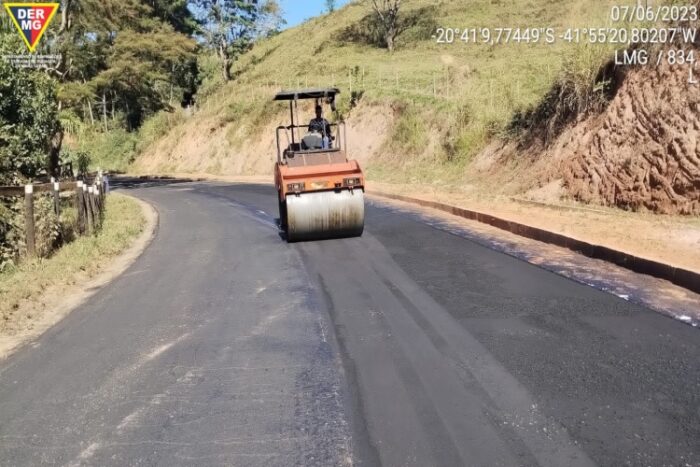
[296, 11]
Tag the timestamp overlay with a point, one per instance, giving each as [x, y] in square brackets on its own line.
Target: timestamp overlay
[640, 35]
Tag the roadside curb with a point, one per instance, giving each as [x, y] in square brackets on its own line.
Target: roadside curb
[682, 277]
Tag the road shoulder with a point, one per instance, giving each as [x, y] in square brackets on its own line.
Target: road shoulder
[57, 301]
[670, 240]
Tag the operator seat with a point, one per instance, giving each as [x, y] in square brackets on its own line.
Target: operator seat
[312, 141]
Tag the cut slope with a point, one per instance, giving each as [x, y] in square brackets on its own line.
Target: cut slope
[640, 153]
[643, 151]
[462, 93]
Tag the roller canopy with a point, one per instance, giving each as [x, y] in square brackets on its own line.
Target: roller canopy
[313, 93]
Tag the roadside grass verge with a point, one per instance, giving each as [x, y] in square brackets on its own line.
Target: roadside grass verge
[72, 264]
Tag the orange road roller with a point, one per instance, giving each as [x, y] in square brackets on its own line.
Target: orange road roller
[321, 192]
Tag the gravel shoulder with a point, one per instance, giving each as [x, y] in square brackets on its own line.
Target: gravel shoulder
[673, 240]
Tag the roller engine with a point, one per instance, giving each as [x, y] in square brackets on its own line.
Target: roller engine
[321, 192]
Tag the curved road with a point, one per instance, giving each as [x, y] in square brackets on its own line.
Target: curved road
[410, 346]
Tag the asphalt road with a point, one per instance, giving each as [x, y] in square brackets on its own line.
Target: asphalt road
[410, 346]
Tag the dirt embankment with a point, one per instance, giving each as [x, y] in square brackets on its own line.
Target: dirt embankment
[210, 145]
[642, 152]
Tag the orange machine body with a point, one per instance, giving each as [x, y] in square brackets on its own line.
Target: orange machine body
[318, 171]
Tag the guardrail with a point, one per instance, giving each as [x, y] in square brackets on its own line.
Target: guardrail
[89, 201]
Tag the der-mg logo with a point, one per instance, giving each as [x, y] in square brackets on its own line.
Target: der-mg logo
[31, 20]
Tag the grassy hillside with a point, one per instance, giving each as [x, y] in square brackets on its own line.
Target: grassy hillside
[441, 103]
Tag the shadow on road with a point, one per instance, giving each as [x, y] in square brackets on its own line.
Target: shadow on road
[146, 182]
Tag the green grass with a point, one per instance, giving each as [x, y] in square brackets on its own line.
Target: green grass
[410, 132]
[116, 149]
[81, 258]
[112, 150]
[434, 83]
[464, 93]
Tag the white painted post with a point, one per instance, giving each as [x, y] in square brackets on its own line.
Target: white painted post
[57, 199]
[29, 220]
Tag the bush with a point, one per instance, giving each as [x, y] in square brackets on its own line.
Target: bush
[50, 231]
[587, 83]
[47, 226]
[156, 127]
[114, 150]
[28, 120]
[10, 228]
[413, 26]
[410, 133]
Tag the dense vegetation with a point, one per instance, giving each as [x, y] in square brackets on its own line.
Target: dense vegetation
[28, 119]
[122, 62]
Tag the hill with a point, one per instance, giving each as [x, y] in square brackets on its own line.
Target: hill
[441, 114]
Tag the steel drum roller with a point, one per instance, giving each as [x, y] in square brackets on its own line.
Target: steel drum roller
[325, 214]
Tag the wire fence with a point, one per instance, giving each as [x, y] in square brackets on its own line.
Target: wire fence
[438, 85]
[491, 85]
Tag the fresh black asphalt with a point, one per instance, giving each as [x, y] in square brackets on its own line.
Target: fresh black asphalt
[410, 346]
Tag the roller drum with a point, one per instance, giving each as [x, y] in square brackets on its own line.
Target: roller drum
[325, 214]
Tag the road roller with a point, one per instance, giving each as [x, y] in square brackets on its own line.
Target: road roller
[320, 191]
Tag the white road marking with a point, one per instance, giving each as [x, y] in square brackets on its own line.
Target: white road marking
[163, 348]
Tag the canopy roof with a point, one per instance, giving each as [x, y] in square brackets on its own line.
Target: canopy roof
[312, 93]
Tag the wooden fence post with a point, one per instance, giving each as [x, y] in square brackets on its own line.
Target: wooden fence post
[87, 194]
[98, 203]
[29, 220]
[93, 206]
[101, 190]
[57, 199]
[80, 204]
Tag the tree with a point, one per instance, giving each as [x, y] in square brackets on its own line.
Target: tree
[177, 14]
[121, 60]
[270, 19]
[330, 5]
[142, 73]
[124, 58]
[229, 28]
[387, 12]
[28, 117]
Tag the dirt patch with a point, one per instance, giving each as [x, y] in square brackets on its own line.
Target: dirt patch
[211, 146]
[58, 301]
[367, 128]
[641, 153]
[205, 145]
